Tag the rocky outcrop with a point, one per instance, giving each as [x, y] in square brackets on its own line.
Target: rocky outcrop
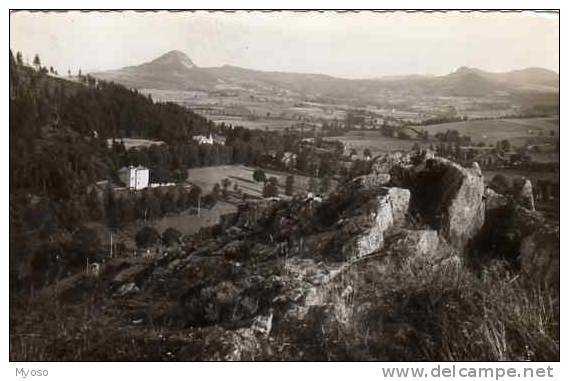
[277, 270]
[539, 256]
[523, 192]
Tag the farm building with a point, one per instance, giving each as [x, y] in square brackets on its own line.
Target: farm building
[134, 177]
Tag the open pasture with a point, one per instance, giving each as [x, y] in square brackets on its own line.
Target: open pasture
[242, 175]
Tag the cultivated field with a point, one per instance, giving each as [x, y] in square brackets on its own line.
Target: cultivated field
[257, 124]
[517, 131]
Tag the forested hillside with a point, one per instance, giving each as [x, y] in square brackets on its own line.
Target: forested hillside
[59, 132]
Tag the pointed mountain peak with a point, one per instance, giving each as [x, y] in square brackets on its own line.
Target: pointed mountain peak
[175, 57]
[467, 70]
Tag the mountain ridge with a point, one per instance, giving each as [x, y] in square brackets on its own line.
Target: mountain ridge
[175, 70]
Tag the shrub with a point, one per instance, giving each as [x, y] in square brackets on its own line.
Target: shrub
[171, 236]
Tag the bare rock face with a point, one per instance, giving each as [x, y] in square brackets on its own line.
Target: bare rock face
[425, 243]
[523, 192]
[390, 209]
[450, 198]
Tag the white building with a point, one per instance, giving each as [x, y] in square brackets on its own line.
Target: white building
[201, 139]
[134, 177]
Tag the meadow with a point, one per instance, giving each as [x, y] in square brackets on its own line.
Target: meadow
[242, 175]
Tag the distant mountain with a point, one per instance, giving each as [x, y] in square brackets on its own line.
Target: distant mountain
[173, 70]
[531, 78]
[176, 71]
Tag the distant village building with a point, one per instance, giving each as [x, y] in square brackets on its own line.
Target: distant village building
[289, 159]
[202, 139]
[134, 177]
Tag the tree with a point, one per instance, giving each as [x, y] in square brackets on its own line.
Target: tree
[312, 184]
[195, 194]
[289, 185]
[324, 184]
[147, 236]
[37, 62]
[505, 145]
[271, 187]
[19, 58]
[259, 175]
[215, 192]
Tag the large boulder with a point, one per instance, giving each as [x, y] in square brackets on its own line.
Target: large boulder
[450, 198]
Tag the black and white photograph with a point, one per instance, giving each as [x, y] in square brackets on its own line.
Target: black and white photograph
[284, 186]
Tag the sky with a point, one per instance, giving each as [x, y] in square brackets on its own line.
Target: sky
[351, 45]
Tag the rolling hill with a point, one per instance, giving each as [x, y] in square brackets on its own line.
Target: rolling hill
[176, 71]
